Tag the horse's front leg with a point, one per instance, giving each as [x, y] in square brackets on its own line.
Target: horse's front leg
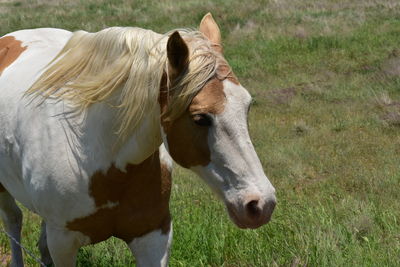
[152, 249]
[42, 245]
[63, 245]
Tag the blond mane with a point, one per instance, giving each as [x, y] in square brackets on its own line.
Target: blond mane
[124, 67]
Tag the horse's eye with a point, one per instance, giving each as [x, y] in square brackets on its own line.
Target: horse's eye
[202, 119]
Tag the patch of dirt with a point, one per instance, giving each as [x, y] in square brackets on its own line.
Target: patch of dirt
[301, 33]
[301, 128]
[5, 259]
[298, 262]
[246, 29]
[361, 226]
[367, 67]
[384, 101]
[392, 118]
[391, 66]
[304, 183]
[390, 110]
[3, 6]
[283, 96]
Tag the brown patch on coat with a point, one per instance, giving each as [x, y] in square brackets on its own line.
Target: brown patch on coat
[10, 49]
[187, 141]
[141, 195]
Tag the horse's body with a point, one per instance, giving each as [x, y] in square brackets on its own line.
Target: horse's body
[89, 183]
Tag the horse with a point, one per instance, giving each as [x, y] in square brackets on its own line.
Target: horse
[90, 125]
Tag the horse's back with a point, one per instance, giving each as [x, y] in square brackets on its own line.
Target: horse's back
[24, 53]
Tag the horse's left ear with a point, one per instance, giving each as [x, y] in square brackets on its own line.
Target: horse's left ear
[177, 53]
[210, 29]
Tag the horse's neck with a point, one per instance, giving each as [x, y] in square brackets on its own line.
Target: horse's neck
[100, 140]
[144, 141]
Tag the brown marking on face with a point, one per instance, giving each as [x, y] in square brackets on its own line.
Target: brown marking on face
[10, 49]
[2, 189]
[142, 194]
[187, 141]
[224, 71]
[210, 99]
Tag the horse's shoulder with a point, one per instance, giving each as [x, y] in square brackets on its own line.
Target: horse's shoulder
[34, 38]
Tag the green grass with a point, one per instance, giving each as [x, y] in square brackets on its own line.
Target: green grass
[320, 124]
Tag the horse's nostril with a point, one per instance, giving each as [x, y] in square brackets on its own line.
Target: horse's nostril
[253, 209]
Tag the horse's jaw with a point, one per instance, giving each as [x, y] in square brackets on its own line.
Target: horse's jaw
[250, 202]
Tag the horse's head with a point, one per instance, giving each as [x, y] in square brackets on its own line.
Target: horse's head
[211, 137]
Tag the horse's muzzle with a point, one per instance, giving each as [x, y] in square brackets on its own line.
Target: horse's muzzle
[253, 212]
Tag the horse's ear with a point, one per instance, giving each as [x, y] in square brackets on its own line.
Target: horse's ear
[178, 53]
[210, 29]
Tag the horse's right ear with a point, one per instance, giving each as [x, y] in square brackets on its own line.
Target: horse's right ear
[178, 53]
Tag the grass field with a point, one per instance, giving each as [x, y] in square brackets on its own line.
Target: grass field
[325, 77]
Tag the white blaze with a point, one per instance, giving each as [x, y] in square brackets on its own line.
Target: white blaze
[235, 171]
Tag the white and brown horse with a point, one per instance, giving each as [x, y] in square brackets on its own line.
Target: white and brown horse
[86, 120]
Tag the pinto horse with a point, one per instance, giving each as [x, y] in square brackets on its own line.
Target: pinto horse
[90, 121]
